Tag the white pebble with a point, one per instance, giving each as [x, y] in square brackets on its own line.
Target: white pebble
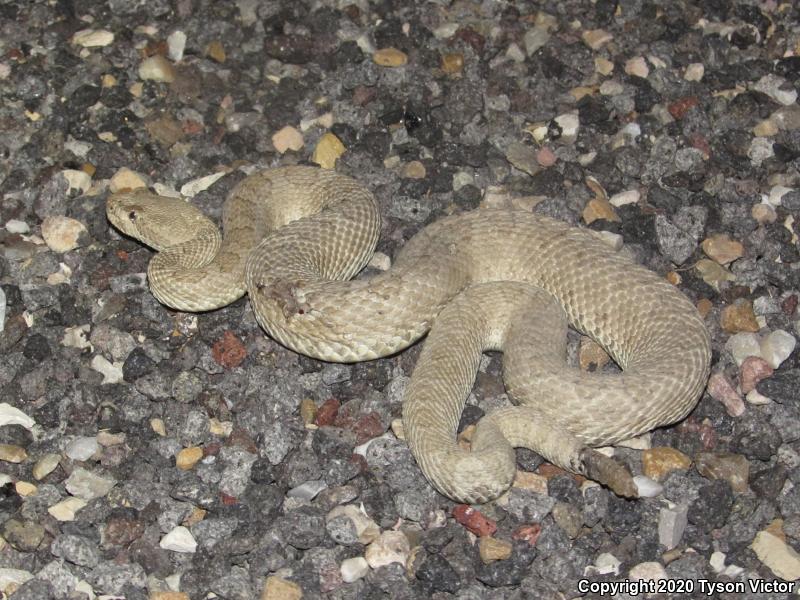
[672, 521]
[17, 226]
[756, 399]
[82, 448]
[646, 487]
[14, 416]
[391, 546]
[77, 179]
[157, 68]
[777, 346]
[607, 564]
[176, 44]
[776, 194]
[625, 198]
[742, 345]
[13, 577]
[179, 539]
[694, 72]
[353, 569]
[88, 486]
[569, 124]
[648, 571]
[111, 372]
[66, 509]
[62, 234]
[92, 38]
[195, 186]
[777, 88]
[308, 490]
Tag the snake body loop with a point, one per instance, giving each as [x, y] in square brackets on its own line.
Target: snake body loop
[486, 279]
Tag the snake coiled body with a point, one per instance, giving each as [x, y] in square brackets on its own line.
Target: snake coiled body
[486, 279]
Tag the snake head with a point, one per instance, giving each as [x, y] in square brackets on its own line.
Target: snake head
[158, 221]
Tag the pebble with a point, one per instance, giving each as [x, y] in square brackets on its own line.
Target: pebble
[777, 88]
[694, 72]
[366, 529]
[12, 453]
[625, 198]
[390, 547]
[62, 234]
[777, 346]
[605, 564]
[187, 458]
[66, 509]
[353, 569]
[777, 555]
[660, 461]
[753, 370]
[328, 149]
[414, 170]
[111, 372]
[672, 521]
[545, 157]
[157, 68]
[191, 188]
[712, 273]
[82, 448]
[25, 536]
[742, 345]
[766, 128]
[288, 138]
[760, 149]
[764, 213]
[591, 355]
[92, 38]
[390, 57]
[10, 415]
[491, 549]
[176, 44]
[77, 179]
[530, 481]
[169, 596]
[452, 63]
[569, 124]
[648, 571]
[776, 194]
[45, 465]
[535, 39]
[17, 226]
[733, 468]
[522, 157]
[180, 539]
[568, 518]
[721, 389]
[278, 588]
[596, 38]
[126, 179]
[722, 249]
[216, 51]
[25, 488]
[637, 67]
[738, 317]
[646, 487]
[474, 520]
[307, 490]
[599, 209]
[603, 66]
[88, 486]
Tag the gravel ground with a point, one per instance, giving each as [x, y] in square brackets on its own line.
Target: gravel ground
[152, 454]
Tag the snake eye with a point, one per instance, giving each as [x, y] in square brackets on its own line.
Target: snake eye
[132, 215]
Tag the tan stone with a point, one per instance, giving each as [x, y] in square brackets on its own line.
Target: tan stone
[713, 273]
[777, 555]
[591, 355]
[390, 57]
[157, 68]
[739, 316]
[596, 38]
[277, 588]
[722, 249]
[169, 596]
[530, 481]
[328, 150]
[598, 208]
[453, 63]
[45, 465]
[492, 549]
[216, 51]
[12, 453]
[308, 410]
[25, 488]
[658, 462]
[603, 66]
[62, 234]
[188, 458]
[125, 179]
[287, 138]
[414, 170]
[733, 468]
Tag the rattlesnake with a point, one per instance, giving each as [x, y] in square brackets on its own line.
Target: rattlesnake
[485, 279]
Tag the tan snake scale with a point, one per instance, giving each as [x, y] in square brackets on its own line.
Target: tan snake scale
[482, 280]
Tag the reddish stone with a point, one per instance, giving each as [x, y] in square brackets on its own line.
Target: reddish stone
[549, 470]
[545, 157]
[326, 414]
[471, 37]
[367, 427]
[753, 370]
[241, 439]
[122, 255]
[681, 106]
[720, 389]
[121, 531]
[229, 351]
[699, 142]
[789, 305]
[211, 449]
[528, 533]
[360, 462]
[227, 499]
[363, 95]
[192, 127]
[474, 520]
[708, 437]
